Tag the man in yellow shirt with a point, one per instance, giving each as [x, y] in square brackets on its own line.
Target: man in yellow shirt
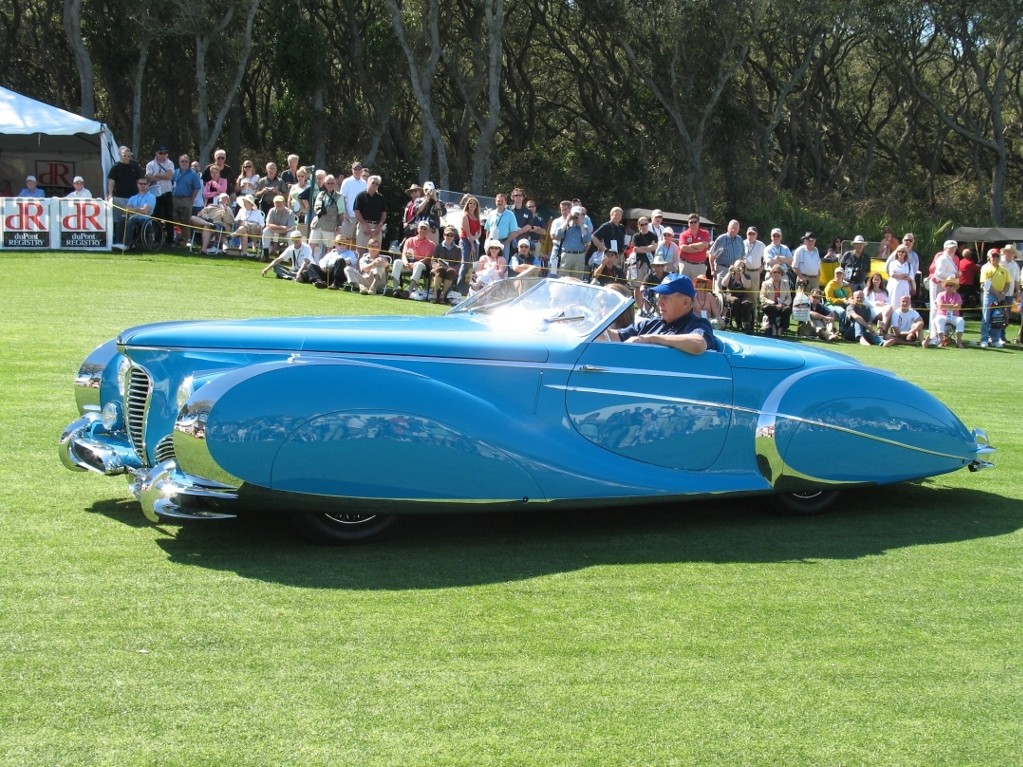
[994, 280]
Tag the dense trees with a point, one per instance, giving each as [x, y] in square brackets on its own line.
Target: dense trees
[865, 107]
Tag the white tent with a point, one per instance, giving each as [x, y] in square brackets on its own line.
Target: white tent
[52, 145]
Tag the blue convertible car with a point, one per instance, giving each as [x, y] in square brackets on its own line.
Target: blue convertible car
[513, 399]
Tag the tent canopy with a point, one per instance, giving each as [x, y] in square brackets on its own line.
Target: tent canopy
[670, 218]
[51, 144]
[992, 234]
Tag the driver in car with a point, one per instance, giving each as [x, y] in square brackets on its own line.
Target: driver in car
[678, 326]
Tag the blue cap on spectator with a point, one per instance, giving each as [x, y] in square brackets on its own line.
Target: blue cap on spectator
[675, 283]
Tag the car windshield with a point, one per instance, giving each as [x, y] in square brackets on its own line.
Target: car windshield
[546, 305]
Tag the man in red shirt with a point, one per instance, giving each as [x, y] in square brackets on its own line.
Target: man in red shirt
[415, 258]
[693, 244]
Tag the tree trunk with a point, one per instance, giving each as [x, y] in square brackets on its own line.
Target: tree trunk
[83, 62]
[494, 13]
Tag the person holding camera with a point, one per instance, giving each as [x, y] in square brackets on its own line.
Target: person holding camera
[608, 271]
[737, 290]
[572, 236]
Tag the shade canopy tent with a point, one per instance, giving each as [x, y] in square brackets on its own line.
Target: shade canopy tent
[51, 144]
[671, 218]
[990, 234]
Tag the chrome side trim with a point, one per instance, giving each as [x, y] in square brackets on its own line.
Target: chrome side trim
[85, 445]
[164, 491]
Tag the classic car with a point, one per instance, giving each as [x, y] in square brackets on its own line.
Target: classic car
[514, 399]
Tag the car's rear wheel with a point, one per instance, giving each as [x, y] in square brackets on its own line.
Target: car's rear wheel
[336, 529]
[804, 503]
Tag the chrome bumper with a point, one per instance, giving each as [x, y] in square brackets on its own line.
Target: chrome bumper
[166, 492]
[983, 448]
[163, 490]
[86, 445]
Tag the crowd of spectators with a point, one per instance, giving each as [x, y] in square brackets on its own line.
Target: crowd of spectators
[293, 218]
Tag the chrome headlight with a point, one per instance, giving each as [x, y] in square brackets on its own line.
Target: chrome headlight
[185, 391]
[110, 417]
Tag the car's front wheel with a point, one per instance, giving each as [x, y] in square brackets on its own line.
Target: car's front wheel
[337, 529]
[803, 503]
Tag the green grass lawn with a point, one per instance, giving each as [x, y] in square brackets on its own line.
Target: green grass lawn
[886, 632]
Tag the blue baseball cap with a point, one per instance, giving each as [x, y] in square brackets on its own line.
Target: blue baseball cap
[675, 283]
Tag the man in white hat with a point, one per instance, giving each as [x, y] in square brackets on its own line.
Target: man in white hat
[753, 255]
[79, 190]
[31, 189]
[1012, 267]
[856, 263]
[298, 253]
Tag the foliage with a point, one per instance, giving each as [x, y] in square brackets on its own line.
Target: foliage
[852, 109]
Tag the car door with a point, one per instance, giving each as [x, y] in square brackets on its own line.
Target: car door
[652, 403]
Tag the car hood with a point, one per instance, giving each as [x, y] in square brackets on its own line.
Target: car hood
[447, 336]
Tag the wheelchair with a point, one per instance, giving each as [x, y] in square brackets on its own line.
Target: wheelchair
[150, 235]
[143, 233]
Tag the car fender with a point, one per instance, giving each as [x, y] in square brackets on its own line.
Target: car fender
[350, 428]
[847, 426]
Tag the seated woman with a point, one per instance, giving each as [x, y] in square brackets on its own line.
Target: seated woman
[776, 301]
[946, 318]
[215, 217]
[705, 303]
[876, 297]
[735, 285]
[249, 220]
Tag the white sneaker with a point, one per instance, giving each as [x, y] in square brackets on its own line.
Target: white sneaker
[999, 343]
[983, 344]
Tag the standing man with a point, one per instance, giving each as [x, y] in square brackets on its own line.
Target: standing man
[370, 213]
[290, 175]
[537, 229]
[121, 181]
[571, 237]
[727, 249]
[558, 224]
[220, 160]
[611, 234]
[160, 175]
[184, 185]
[501, 224]
[522, 217]
[351, 188]
[268, 187]
[1012, 267]
[753, 255]
[657, 223]
[856, 263]
[995, 282]
[693, 244]
[806, 262]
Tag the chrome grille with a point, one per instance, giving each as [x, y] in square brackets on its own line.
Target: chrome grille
[137, 389]
[164, 450]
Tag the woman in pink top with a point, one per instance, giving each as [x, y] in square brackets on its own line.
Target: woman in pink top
[215, 187]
